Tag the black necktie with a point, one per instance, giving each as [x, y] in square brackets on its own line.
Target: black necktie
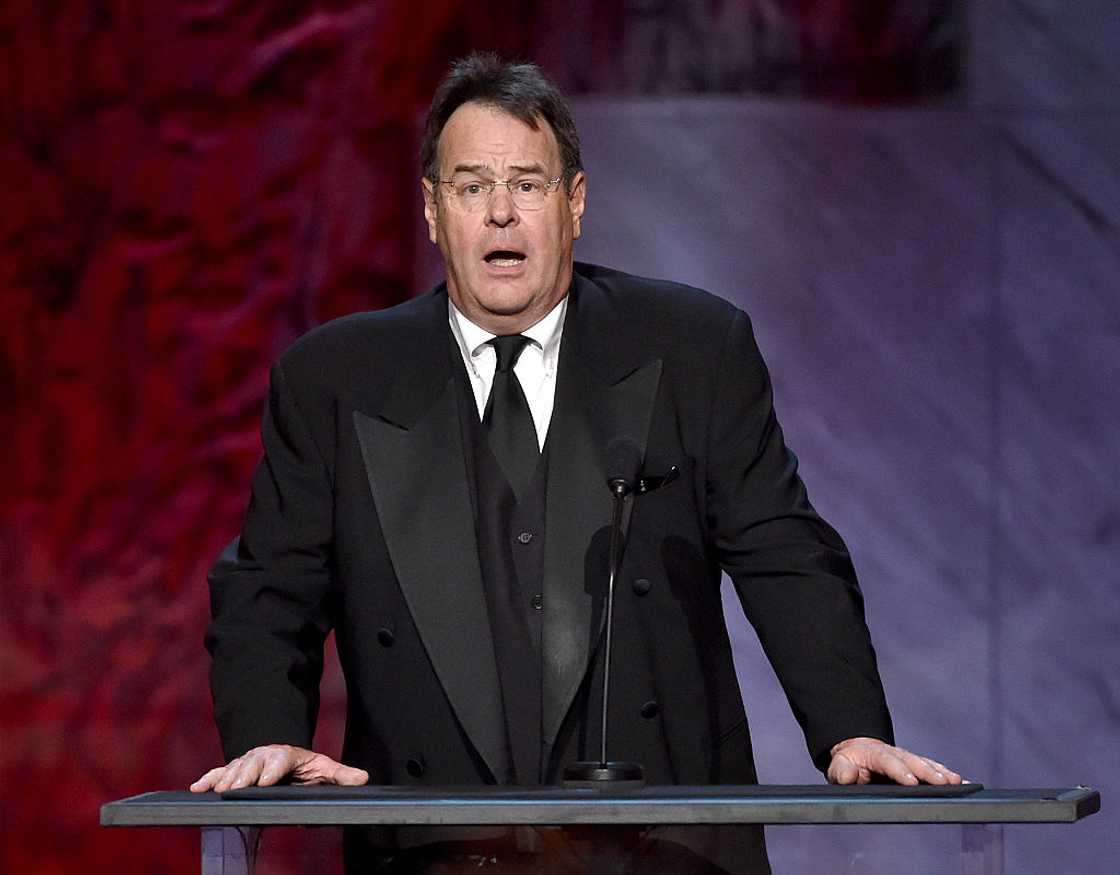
[508, 421]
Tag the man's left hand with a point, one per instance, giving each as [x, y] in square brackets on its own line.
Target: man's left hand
[858, 760]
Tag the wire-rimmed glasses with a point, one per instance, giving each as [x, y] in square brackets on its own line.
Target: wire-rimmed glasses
[528, 192]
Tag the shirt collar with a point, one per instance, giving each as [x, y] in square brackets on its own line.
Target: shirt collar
[545, 333]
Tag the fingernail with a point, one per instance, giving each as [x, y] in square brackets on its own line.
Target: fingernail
[940, 775]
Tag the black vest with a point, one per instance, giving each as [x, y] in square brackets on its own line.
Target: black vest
[510, 537]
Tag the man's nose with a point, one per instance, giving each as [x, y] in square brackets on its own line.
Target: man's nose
[500, 209]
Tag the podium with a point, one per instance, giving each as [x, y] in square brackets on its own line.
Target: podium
[230, 823]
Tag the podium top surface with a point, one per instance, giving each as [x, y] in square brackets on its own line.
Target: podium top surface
[473, 806]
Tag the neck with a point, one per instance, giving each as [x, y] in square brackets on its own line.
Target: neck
[507, 323]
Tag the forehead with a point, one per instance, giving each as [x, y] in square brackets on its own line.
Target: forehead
[480, 134]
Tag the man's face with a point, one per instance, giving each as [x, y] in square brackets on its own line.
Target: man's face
[506, 266]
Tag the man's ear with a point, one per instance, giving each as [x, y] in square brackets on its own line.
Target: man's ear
[431, 208]
[577, 200]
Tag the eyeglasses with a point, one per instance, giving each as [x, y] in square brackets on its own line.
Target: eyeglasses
[527, 192]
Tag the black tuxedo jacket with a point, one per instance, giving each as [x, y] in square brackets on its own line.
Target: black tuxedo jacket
[360, 521]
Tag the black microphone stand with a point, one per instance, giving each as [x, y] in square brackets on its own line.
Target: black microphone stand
[615, 774]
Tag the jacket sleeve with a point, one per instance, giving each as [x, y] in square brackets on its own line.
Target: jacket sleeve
[790, 568]
[268, 591]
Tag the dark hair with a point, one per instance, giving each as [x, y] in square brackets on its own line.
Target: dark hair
[518, 89]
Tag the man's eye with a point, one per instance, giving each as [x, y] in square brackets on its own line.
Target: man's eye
[471, 189]
[529, 186]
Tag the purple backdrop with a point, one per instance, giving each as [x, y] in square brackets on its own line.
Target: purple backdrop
[937, 292]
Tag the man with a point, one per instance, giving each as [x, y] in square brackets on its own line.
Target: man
[433, 489]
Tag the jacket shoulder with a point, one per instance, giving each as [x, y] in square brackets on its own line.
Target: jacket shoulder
[363, 338]
[654, 302]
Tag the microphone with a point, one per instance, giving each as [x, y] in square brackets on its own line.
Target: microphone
[624, 462]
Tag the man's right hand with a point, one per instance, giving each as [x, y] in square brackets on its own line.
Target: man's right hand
[272, 763]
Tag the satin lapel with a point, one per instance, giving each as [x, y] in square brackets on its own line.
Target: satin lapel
[413, 454]
[599, 396]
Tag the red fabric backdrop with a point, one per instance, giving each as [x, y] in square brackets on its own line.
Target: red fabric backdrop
[187, 187]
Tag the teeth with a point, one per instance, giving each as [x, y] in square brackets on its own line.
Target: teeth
[506, 262]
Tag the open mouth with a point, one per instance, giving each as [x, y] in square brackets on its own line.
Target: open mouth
[504, 258]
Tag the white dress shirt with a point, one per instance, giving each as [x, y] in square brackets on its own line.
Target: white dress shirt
[535, 368]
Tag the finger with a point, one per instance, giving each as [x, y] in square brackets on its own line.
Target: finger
[247, 772]
[225, 779]
[842, 770]
[277, 765]
[951, 777]
[923, 768]
[929, 768]
[954, 777]
[319, 768]
[887, 762]
[930, 771]
[208, 780]
[250, 771]
[348, 776]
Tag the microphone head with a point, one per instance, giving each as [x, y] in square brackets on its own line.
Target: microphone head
[624, 461]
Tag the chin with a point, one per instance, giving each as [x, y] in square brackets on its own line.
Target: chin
[507, 309]
[506, 304]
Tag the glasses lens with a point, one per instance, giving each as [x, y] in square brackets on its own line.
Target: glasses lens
[528, 192]
[469, 193]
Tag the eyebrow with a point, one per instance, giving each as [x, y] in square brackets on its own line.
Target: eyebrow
[482, 168]
[469, 168]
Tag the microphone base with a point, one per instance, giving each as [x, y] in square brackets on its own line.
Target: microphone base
[612, 775]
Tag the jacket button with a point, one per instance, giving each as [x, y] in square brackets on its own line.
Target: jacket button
[650, 709]
[415, 767]
[525, 537]
[642, 586]
[385, 637]
[538, 601]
